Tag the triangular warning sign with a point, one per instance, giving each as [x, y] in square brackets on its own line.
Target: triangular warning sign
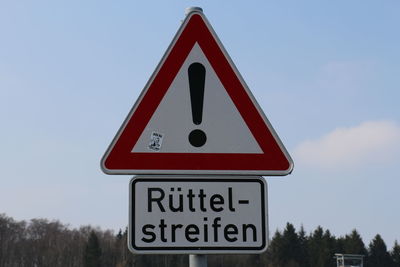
[196, 116]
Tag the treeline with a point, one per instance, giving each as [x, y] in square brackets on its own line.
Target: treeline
[44, 243]
[296, 248]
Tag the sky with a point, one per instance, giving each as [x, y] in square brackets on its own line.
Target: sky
[326, 74]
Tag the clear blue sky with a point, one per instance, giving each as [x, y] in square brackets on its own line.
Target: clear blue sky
[326, 73]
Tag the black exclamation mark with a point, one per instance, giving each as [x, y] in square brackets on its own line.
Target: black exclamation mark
[197, 77]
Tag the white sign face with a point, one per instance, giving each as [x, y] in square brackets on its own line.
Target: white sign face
[225, 129]
[202, 215]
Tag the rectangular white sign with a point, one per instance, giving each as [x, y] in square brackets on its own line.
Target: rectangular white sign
[191, 215]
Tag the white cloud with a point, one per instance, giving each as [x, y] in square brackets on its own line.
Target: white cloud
[367, 143]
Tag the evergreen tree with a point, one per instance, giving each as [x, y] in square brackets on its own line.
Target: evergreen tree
[290, 254]
[321, 248]
[271, 257]
[119, 247]
[353, 244]
[304, 243]
[92, 256]
[378, 255]
[315, 247]
[119, 235]
[339, 245]
[395, 254]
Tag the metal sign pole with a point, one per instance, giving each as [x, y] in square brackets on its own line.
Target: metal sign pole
[197, 260]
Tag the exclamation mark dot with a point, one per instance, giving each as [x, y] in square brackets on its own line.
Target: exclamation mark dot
[197, 76]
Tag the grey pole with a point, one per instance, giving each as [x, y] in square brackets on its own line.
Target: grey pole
[197, 260]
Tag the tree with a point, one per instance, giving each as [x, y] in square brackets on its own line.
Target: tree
[395, 254]
[292, 247]
[285, 249]
[331, 245]
[353, 244]
[304, 243]
[378, 255]
[46, 243]
[12, 238]
[92, 257]
[271, 257]
[321, 247]
[50, 243]
[107, 241]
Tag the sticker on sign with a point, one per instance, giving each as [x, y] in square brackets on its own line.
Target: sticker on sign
[198, 215]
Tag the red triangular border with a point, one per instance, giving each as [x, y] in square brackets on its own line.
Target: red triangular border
[120, 160]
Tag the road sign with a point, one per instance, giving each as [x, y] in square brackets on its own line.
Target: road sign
[196, 116]
[202, 215]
